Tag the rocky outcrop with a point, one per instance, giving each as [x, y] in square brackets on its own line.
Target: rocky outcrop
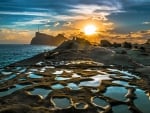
[148, 41]
[146, 46]
[44, 39]
[75, 44]
[80, 49]
[105, 43]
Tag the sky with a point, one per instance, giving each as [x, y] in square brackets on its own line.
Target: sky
[114, 19]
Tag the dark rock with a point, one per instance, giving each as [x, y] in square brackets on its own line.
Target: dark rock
[127, 45]
[148, 41]
[105, 43]
[44, 39]
[75, 44]
[116, 44]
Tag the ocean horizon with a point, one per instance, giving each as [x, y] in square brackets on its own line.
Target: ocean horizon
[11, 53]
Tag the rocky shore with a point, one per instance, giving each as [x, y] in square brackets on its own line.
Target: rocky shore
[77, 77]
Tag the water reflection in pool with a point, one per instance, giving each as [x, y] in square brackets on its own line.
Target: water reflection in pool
[142, 101]
[57, 86]
[73, 86]
[11, 90]
[41, 91]
[61, 102]
[32, 75]
[117, 93]
[121, 109]
[99, 102]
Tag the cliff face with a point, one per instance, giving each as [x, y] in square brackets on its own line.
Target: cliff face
[44, 39]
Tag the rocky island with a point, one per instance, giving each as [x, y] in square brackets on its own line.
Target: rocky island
[78, 77]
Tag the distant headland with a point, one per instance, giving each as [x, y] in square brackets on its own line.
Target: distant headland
[44, 39]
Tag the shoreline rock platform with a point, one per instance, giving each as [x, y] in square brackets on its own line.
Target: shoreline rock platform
[76, 77]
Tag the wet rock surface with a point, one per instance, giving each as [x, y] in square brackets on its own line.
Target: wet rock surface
[50, 89]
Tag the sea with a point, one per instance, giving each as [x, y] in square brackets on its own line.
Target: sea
[11, 53]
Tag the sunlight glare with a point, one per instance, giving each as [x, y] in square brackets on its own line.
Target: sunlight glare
[89, 29]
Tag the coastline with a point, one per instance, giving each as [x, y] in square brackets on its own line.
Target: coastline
[63, 54]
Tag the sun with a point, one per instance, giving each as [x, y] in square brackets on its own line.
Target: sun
[89, 29]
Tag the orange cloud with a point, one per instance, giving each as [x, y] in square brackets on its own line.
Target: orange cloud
[15, 36]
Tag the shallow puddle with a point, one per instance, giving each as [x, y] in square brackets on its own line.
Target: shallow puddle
[33, 70]
[39, 63]
[142, 101]
[11, 90]
[57, 86]
[101, 77]
[125, 73]
[121, 109]
[8, 78]
[117, 93]
[18, 68]
[61, 102]
[22, 70]
[73, 86]
[32, 75]
[96, 81]
[58, 72]
[6, 72]
[61, 78]
[49, 67]
[43, 70]
[22, 79]
[99, 102]
[127, 77]
[92, 83]
[40, 91]
[123, 83]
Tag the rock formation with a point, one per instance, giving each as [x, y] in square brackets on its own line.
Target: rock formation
[81, 49]
[148, 41]
[44, 39]
[105, 43]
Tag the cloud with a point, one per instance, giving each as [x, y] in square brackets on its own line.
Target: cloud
[67, 32]
[15, 36]
[67, 24]
[95, 10]
[108, 25]
[133, 37]
[35, 21]
[146, 23]
[47, 25]
[66, 10]
[24, 13]
[56, 24]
